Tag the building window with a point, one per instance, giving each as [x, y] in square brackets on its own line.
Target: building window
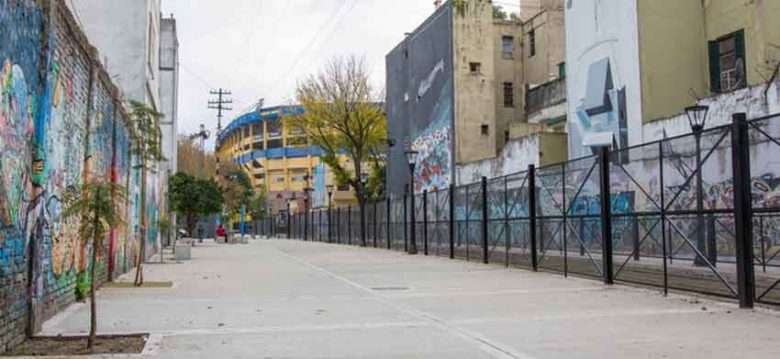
[727, 62]
[485, 129]
[509, 95]
[531, 43]
[506, 136]
[343, 187]
[474, 67]
[507, 47]
[562, 70]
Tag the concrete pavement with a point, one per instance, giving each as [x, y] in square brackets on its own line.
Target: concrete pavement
[291, 299]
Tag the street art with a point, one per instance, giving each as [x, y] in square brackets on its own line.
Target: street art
[420, 106]
[49, 140]
[434, 144]
[65, 130]
[19, 76]
[601, 114]
[16, 128]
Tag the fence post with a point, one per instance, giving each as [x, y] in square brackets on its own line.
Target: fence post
[484, 221]
[425, 222]
[338, 225]
[606, 216]
[349, 225]
[406, 218]
[374, 223]
[743, 215]
[387, 219]
[452, 221]
[532, 215]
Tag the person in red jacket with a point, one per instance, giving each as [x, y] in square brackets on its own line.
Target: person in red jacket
[221, 233]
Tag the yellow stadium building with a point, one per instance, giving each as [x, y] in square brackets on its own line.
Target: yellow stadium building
[281, 160]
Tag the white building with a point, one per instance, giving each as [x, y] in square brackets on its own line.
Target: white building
[139, 49]
[127, 36]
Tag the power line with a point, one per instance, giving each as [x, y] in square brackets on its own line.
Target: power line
[196, 77]
[298, 59]
[338, 25]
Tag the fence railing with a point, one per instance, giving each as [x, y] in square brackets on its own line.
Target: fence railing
[695, 213]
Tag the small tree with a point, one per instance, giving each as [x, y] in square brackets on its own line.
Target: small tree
[237, 187]
[148, 152]
[342, 112]
[256, 206]
[192, 197]
[98, 207]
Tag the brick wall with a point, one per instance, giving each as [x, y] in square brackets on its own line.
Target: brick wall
[60, 120]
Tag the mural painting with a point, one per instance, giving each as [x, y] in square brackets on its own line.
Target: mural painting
[49, 139]
[420, 112]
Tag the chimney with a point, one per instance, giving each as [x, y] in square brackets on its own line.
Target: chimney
[437, 3]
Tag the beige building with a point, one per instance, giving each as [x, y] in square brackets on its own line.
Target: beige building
[634, 65]
[520, 70]
[719, 46]
[458, 89]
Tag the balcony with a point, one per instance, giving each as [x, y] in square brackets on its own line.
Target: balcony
[547, 95]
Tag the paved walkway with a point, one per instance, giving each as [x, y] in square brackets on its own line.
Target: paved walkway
[289, 299]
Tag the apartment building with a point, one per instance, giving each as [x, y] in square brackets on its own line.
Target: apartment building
[634, 65]
[458, 88]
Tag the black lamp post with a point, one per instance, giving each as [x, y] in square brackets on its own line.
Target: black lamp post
[289, 215]
[330, 204]
[411, 159]
[362, 199]
[697, 117]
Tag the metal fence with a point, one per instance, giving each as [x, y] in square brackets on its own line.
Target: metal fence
[695, 213]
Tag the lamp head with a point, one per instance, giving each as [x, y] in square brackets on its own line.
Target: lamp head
[697, 116]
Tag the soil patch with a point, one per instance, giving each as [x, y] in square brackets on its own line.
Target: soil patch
[131, 285]
[104, 344]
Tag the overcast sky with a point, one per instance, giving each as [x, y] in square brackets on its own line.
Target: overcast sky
[260, 48]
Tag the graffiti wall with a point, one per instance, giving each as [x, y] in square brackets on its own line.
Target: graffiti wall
[58, 124]
[20, 24]
[420, 104]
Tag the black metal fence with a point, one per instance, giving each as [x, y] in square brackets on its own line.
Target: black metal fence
[696, 213]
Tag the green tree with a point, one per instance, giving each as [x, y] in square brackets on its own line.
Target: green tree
[147, 151]
[238, 190]
[256, 206]
[98, 206]
[499, 13]
[192, 198]
[342, 113]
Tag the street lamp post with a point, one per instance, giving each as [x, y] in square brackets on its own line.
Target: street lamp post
[330, 205]
[307, 193]
[362, 199]
[697, 117]
[411, 159]
[289, 215]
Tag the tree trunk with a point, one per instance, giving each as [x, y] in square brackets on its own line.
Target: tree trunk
[139, 271]
[92, 287]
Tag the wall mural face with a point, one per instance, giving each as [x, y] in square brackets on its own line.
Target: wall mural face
[19, 58]
[420, 105]
[65, 125]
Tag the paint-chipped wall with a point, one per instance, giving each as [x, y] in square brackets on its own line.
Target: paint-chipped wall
[60, 120]
[515, 157]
